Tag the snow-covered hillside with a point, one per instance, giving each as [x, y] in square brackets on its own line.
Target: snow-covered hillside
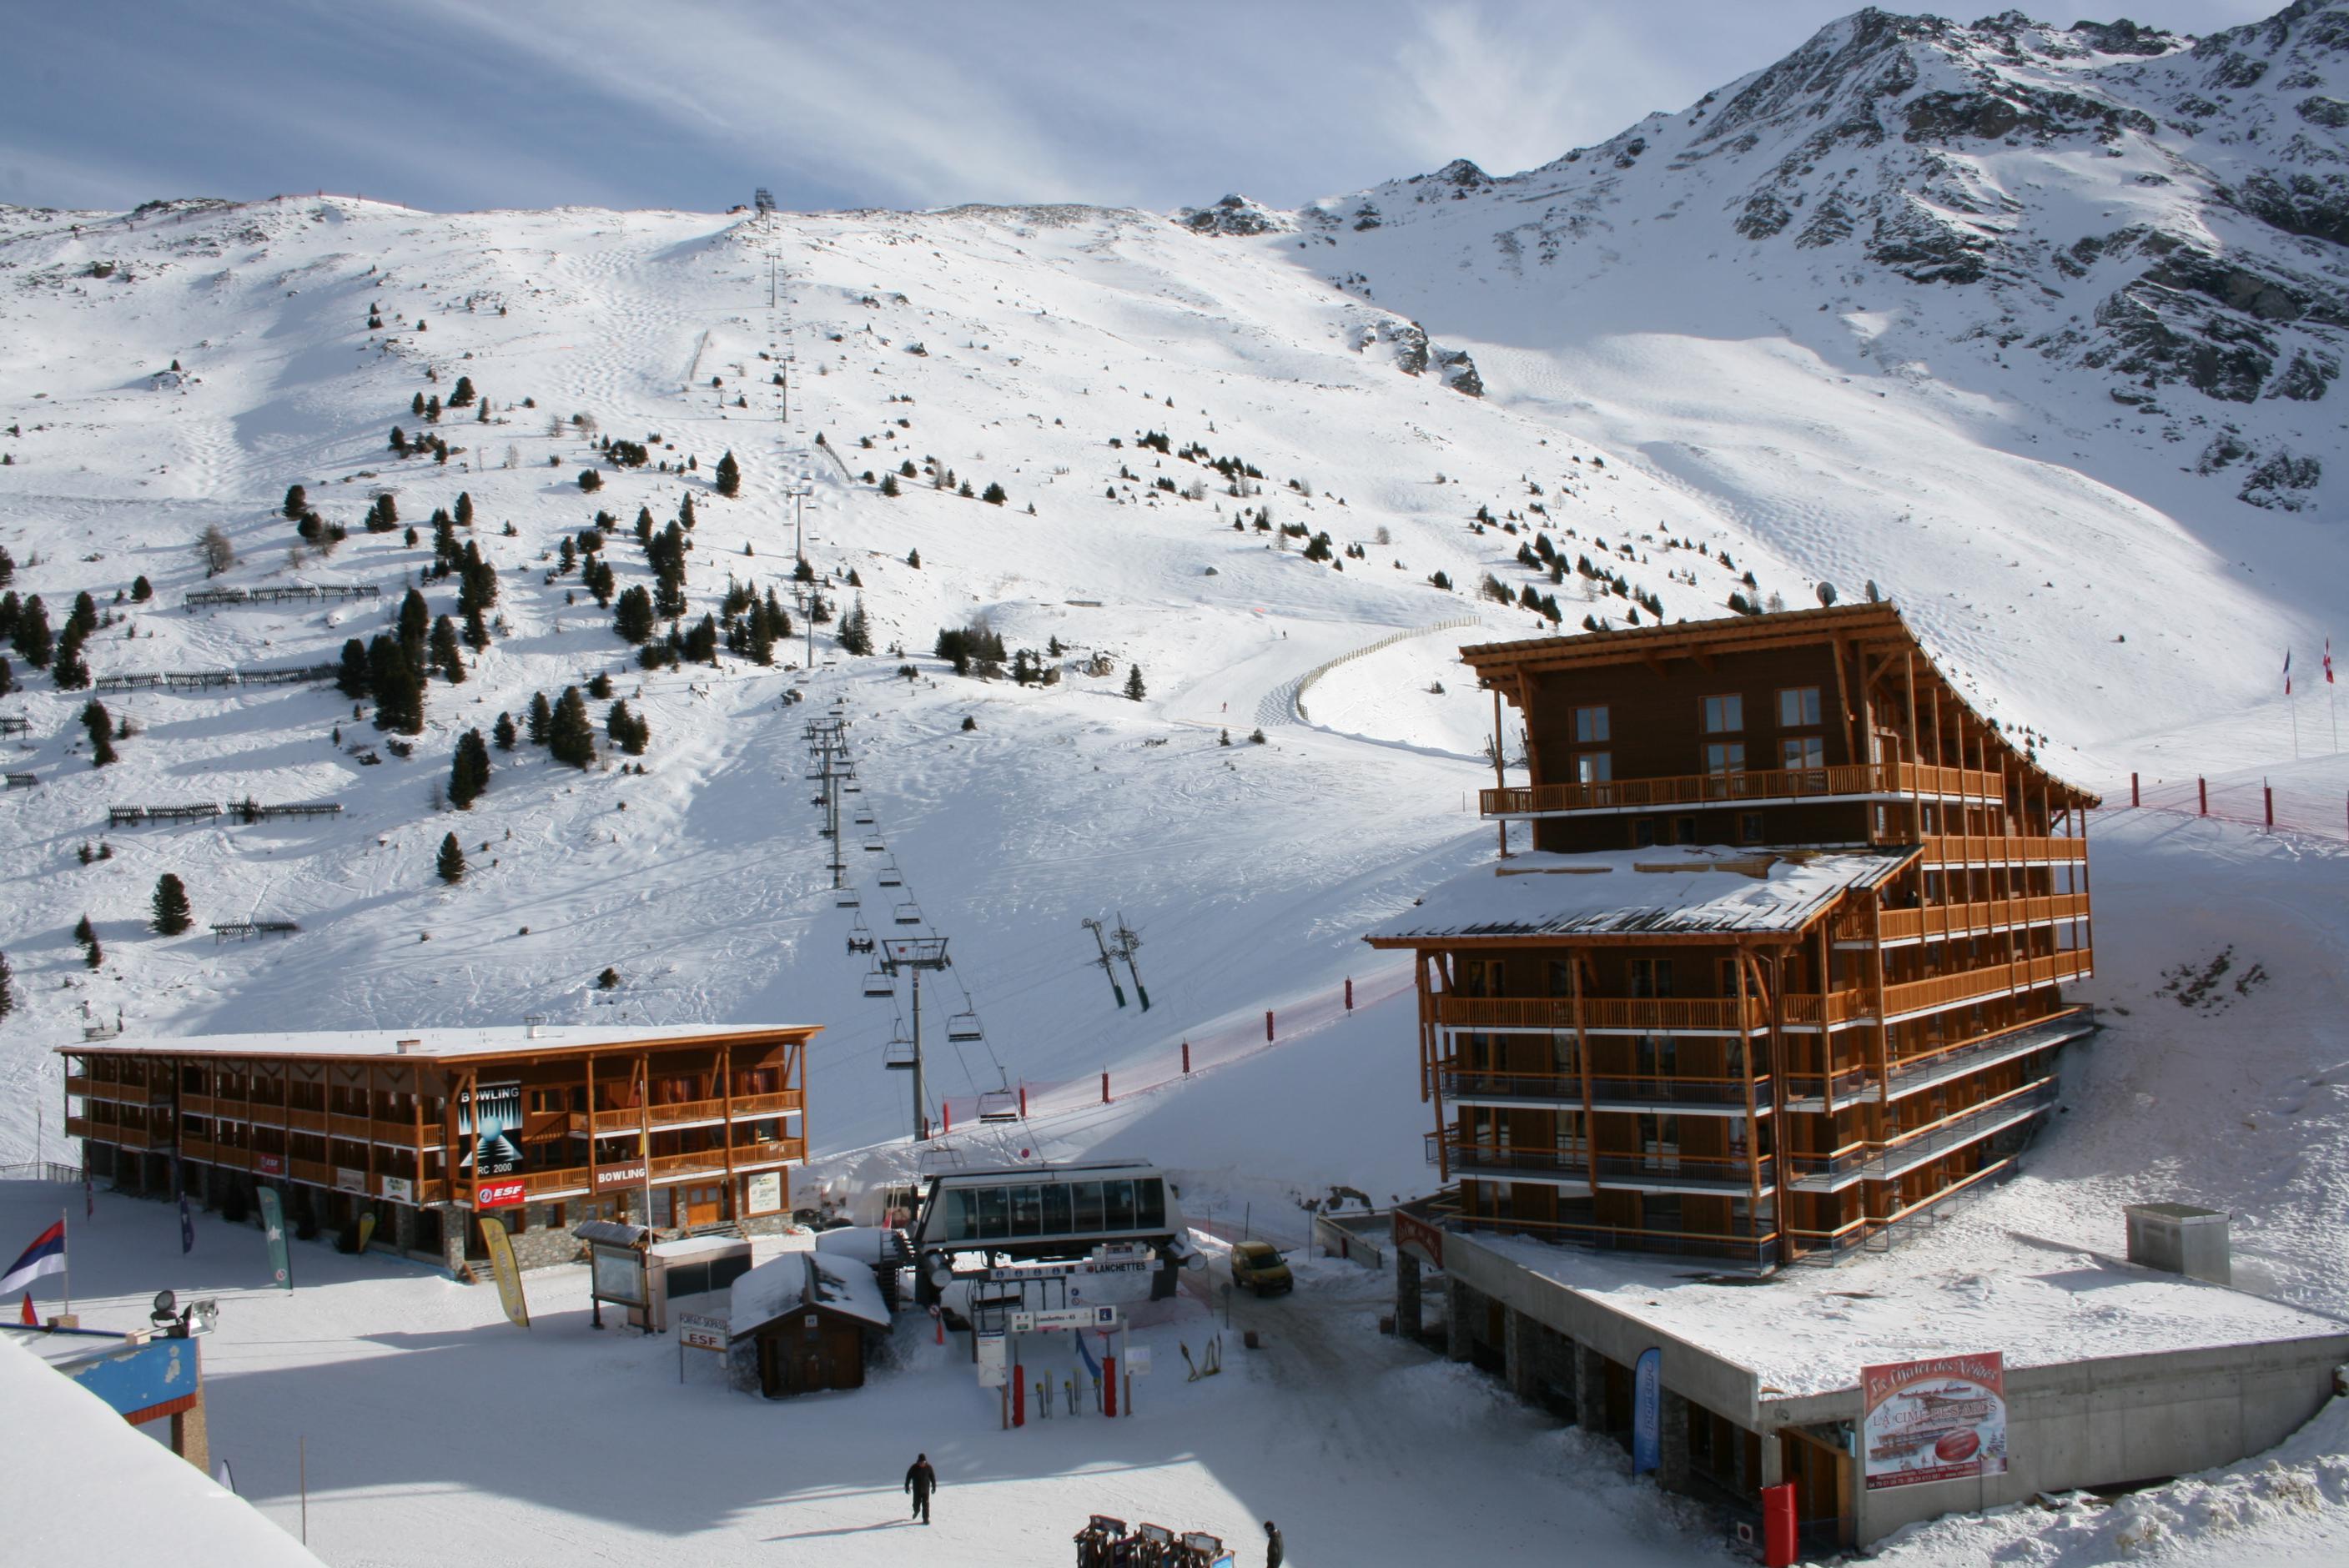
[2038, 328]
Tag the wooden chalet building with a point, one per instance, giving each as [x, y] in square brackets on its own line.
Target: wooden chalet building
[1783, 965]
[543, 1125]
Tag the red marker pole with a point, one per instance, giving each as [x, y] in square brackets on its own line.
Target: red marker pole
[2134, 801]
[1267, 1023]
[1349, 992]
[1187, 1056]
[1023, 1102]
[2202, 791]
[1105, 1088]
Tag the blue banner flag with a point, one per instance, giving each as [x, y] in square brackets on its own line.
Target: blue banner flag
[1646, 1411]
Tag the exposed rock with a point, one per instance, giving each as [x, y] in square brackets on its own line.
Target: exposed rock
[2224, 449]
[2312, 204]
[2279, 481]
[1234, 215]
[1460, 371]
[2332, 113]
[1763, 216]
[1460, 173]
[2158, 334]
[2124, 37]
[2305, 380]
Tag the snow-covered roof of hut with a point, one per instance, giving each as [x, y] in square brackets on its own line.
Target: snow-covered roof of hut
[1679, 890]
[785, 1284]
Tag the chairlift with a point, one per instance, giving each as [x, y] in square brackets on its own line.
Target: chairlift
[844, 899]
[864, 819]
[878, 983]
[891, 876]
[964, 1026]
[875, 845]
[910, 914]
[898, 1055]
[998, 1105]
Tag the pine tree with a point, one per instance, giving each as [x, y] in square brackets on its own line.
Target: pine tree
[141, 590]
[383, 515]
[353, 679]
[32, 639]
[297, 502]
[994, 495]
[398, 689]
[570, 735]
[170, 907]
[503, 734]
[729, 477]
[7, 677]
[415, 629]
[913, 558]
[631, 614]
[100, 727]
[85, 934]
[540, 723]
[450, 865]
[67, 668]
[7, 987]
[855, 633]
[463, 396]
[628, 731]
[445, 656]
[889, 485]
[608, 980]
[469, 770]
[1134, 690]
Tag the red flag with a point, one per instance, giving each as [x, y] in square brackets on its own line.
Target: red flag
[2328, 661]
[2287, 672]
[27, 1316]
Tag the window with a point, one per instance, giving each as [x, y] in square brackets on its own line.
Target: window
[1590, 727]
[1150, 1204]
[1798, 707]
[1117, 1203]
[1749, 828]
[1593, 767]
[1725, 715]
[1802, 751]
[994, 1214]
[1056, 1211]
[1027, 1211]
[1652, 977]
[1643, 833]
[1725, 757]
[1687, 829]
[1087, 1197]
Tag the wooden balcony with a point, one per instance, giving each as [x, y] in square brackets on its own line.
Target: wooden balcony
[1939, 921]
[132, 1138]
[120, 1093]
[760, 1105]
[317, 1173]
[540, 1182]
[780, 1151]
[79, 1127]
[1991, 980]
[1647, 1015]
[77, 1083]
[701, 1161]
[1980, 850]
[1810, 1009]
[1753, 786]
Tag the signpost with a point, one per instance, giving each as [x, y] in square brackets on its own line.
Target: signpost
[696, 1332]
[1939, 1419]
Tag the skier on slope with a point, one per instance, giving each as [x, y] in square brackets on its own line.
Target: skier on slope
[921, 1481]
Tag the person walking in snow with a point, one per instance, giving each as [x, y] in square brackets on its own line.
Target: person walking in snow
[921, 1481]
[1272, 1549]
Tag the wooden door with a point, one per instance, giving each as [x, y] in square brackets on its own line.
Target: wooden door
[703, 1205]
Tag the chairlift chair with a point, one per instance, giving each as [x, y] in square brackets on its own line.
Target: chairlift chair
[910, 914]
[998, 1105]
[964, 1026]
[875, 845]
[891, 876]
[878, 983]
[844, 899]
[864, 819]
[899, 1052]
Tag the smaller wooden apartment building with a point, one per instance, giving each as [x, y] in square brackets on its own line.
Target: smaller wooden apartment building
[1782, 967]
[543, 1125]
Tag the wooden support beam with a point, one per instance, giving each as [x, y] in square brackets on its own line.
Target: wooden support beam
[1582, 1062]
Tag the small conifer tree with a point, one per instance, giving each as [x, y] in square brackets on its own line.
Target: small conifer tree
[297, 502]
[503, 734]
[1134, 690]
[889, 485]
[571, 736]
[609, 980]
[7, 987]
[541, 722]
[100, 726]
[450, 865]
[729, 477]
[171, 913]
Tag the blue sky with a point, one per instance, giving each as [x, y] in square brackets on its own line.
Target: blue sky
[447, 105]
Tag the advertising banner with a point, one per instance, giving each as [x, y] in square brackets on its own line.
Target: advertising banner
[399, 1188]
[366, 1230]
[1943, 1419]
[349, 1181]
[492, 1113]
[627, 1173]
[272, 1226]
[498, 1194]
[187, 1227]
[269, 1165]
[766, 1193]
[509, 1274]
[1646, 1411]
[144, 1380]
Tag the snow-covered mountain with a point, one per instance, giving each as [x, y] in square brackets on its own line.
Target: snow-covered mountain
[2002, 320]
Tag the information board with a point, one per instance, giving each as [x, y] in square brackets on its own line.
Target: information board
[1941, 1419]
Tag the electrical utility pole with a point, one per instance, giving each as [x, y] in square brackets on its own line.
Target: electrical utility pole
[1105, 961]
[1128, 939]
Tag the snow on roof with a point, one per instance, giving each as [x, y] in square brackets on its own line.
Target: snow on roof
[85, 1485]
[456, 1042]
[1806, 1331]
[785, 1284]
[1664, 890]
[695, 1246]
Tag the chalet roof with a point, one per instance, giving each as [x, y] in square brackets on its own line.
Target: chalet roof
[1500, 664]
[799, 1280]
[1682, 891]
[551, 1040]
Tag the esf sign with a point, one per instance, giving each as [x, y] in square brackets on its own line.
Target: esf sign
[498, 1194]
[696, 1332]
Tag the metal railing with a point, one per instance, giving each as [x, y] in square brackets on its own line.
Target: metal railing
[1749, 785]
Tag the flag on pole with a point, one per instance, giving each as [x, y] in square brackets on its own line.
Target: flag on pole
[27, 1315]
[2328, 661]
[2287, 672]
[47, 1256]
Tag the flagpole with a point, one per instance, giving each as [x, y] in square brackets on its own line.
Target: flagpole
[64, 1274]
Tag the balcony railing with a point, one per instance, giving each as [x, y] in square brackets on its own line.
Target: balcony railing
[1812, 1008]
[1485, 1159]
[1939, 921]
[698, 1161]
[1747, 787]
[1657, 1014]
[1753, 1252]
[776, 1152]
[1882, 1160]
[1737, 1171]
[1961, 849]
[1991, 980]
[1472, 1083]
[1667, 1092]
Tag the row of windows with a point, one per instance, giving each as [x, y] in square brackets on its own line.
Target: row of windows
[1056, 1209]
[1798, 708]
[1721, 758]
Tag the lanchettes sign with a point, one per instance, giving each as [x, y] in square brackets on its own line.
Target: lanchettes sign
[1943, 1419]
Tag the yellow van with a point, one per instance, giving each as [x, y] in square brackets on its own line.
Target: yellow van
[1259, 1267]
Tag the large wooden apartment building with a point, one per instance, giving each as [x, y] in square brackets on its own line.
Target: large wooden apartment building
[542, 1126]
[1781, 965]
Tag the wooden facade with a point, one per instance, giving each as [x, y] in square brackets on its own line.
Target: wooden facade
[1758, 1095]
[698, 1128]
